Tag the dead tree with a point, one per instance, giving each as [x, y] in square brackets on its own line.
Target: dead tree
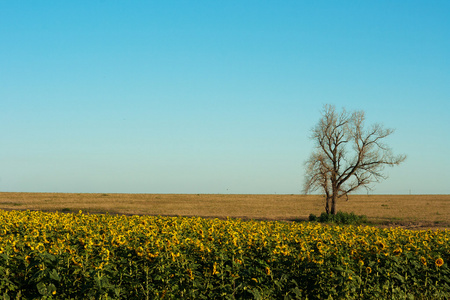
[346, 156]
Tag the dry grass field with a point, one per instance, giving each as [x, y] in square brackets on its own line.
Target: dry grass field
[411, 211]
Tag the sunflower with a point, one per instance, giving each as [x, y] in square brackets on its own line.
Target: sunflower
[191, 275]
[398, 251]
[380, 245]
[35, 233]
[215, 269]
[423, 260]
[139, 251]
[368, 270]
[40, 247]
[439, 262]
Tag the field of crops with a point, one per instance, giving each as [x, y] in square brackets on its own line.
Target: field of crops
[101, 256]
[411, 211]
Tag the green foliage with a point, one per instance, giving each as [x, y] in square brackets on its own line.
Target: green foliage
[339, 218]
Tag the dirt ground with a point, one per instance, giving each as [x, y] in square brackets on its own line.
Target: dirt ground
[409, 211]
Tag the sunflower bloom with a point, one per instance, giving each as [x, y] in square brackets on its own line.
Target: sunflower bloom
[380, 245]
[215, 269]
[40, 247]
[398, 251]
[423, 260]
[439, 262]
[35, 233]
[191, 275]
[139, 251]
[77, 263]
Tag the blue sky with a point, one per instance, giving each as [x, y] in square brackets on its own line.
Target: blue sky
[215, 96]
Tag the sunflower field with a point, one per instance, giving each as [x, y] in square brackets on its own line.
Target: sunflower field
[101, 256]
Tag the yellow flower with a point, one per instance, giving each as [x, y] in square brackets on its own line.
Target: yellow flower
[152, 255]
[174, 256]
[380, 245]
[121, 240]
[398, 251]
[35, 233]
[215, 269]
[139, 251]
[40, 247]
[423, 260]
[77, 263]
[369, 270]
[100, 266]
[268, 272]
[439, 262]
[191, 276]
[319, 262]
[105, 254]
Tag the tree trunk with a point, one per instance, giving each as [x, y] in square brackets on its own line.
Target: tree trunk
[334, 193]
[333, 204]
[327, 204]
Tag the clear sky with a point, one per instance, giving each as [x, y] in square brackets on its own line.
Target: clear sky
[215, 96]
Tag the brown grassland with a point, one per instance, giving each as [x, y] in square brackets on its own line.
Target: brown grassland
[409, 211]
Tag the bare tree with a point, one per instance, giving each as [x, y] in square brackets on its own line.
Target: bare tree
[347, 156]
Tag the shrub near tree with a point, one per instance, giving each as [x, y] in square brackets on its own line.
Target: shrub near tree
[347, 156]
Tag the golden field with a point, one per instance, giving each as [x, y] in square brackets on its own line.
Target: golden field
[410, 211]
